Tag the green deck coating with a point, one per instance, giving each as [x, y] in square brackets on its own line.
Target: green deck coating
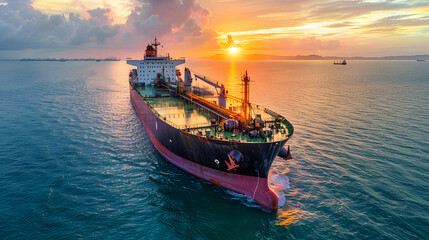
[183, 115]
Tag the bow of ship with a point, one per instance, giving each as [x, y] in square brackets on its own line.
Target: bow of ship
[207, 132]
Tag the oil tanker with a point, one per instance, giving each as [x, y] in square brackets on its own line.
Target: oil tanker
[205, 131]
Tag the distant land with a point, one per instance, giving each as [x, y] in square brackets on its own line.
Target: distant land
[312, 57]
[63, 59]
[247, 57]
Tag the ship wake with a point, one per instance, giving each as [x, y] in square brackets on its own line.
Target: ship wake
[278, 182]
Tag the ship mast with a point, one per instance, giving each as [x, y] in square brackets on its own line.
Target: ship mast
[156, 44]
[246, 111]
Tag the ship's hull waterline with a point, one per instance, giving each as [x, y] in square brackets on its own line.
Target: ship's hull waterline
[208, 158]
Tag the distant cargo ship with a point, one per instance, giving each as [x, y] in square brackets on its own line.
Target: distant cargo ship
[215, 136]
[340, 62]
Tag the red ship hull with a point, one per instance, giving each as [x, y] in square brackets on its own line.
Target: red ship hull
[255, 187]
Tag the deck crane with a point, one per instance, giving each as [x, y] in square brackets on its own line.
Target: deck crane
[220, 89]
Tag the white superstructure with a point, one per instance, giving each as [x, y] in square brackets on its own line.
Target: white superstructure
[153, 64]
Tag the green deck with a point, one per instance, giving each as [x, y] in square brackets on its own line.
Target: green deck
[188, 117]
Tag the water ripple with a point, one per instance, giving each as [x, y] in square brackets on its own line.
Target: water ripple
[76, 161]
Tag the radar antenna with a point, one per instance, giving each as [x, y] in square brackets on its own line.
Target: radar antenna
[155, 43]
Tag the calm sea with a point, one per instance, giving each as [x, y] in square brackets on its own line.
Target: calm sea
[76, 162]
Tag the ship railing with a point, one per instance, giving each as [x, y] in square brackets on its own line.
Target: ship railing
[166, 118]
[172, 124]
[162, 117]
[168, 104]
[272, 113]
[164, 57]
[197, 126]
[158, 57]
[289, 127]
[173, 115]
[285, 122]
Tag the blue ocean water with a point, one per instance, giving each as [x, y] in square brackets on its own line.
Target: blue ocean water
[76, 162]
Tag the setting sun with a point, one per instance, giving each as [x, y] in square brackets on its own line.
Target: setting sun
[233, 50]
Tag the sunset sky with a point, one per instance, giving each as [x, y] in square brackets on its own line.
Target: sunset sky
[199, 28]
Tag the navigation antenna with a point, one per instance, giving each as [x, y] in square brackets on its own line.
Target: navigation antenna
[156, 44]
[246, 80]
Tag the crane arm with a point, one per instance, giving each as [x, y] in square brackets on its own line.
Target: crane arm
[212, 83]
[208, 81]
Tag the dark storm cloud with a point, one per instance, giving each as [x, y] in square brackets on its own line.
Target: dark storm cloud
[97, 28]
[23, 27]
[159, 17]
[182, 22]
[100, 15]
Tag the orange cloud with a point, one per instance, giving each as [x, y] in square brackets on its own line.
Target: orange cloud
[192, 29]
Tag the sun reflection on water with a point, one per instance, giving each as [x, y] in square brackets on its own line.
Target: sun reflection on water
[234, 84]
[289, 217]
